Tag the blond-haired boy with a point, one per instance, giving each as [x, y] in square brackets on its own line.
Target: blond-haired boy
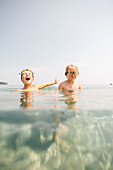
[70, 84]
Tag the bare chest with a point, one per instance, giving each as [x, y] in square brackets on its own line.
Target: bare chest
[71, 86]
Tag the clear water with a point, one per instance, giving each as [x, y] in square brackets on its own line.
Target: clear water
[48, 130]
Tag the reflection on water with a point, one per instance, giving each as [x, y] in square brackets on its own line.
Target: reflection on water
[70, 98]
[49, 131]
[26, 100]
[51, 100]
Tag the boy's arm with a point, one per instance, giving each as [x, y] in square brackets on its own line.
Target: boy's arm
[17, 90]
[41, 86]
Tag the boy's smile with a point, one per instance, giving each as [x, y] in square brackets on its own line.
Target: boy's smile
[27, 78]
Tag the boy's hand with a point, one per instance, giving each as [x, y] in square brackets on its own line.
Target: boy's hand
[56, 80]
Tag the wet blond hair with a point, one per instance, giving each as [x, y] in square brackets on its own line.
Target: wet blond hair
[69, 66]
[26, 70]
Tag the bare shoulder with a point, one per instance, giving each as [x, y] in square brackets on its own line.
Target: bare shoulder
[35, 86]
[61, 85]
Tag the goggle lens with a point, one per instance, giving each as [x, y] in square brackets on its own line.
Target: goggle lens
[72, 72]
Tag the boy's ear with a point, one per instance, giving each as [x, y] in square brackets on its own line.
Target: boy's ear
[21, 80]
[65, 73]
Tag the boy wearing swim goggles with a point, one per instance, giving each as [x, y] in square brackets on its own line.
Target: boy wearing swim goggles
[70, 84]
[27, 77]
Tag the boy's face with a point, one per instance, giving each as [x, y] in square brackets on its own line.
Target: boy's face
[72, 73]
[27, 78]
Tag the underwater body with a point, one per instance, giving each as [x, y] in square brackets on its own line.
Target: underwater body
[52, 130]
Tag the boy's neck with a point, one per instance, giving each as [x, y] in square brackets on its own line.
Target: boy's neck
[70, 81]
[27, 86]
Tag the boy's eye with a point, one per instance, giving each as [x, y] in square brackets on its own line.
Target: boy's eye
[26, 74]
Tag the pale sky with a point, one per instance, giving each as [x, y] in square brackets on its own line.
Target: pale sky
[47, 35]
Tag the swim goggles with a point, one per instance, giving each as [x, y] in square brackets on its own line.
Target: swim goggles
[26, 70]
[72, 72]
